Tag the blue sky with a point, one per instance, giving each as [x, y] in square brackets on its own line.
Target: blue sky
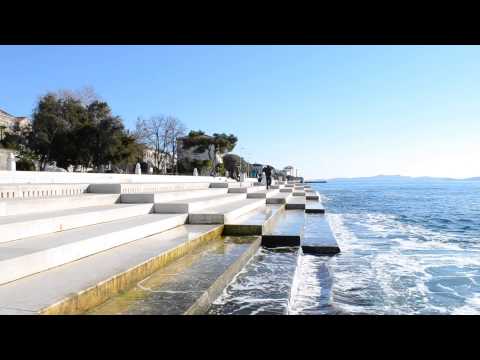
[331, 111]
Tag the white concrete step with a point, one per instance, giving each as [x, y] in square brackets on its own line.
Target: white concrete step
[221, 214]
[36, 205]
[22, 226]
[222, 185]
[312, 195]
[279, 198]
[34, 254]
[295, 202]
[255, 222]
[195, 204]
[263, 194]
[246, 189]
[158, 197]
[103, 274]
[129, 188]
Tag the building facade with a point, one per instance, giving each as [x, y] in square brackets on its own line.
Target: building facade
[7, 121]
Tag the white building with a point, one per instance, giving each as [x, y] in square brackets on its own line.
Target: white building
[289, 170]
[7, 121]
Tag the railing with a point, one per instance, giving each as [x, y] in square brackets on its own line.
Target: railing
[24, 191]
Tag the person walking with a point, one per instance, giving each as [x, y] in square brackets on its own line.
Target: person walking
[268, 174]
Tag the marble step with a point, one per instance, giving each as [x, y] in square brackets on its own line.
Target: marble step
[22, 226]
[80, 285]
[295, 203]
[246, 190]
[159, 197]
[54, 203]
[319, 239]
[286, 230]
[262, 194]
[195, 204]
[31, 255]
[312, 195]
[255, 222]
[225, 213]
[298, 193]
[279, 198]
[286, 190]
[129, 188]
[314, 207]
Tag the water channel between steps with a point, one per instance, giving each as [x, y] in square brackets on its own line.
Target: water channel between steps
[264, 282]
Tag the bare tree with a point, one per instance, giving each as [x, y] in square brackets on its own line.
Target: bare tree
[85, 95]
[160, 134]
[175, 129]
[151, 133]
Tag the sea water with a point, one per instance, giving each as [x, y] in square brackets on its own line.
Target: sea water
[407, 247]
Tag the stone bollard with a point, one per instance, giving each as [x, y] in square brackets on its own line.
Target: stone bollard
[138, 169]
[242, 177]
[195, 172]
[150, 170]
[227, 174]
[11, 163]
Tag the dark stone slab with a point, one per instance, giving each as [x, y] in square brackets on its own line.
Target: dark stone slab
[314, 207]
[272, 241]
[319, 239]
[314, 210]
[320, 250]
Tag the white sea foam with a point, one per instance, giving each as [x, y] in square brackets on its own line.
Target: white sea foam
[385, 266]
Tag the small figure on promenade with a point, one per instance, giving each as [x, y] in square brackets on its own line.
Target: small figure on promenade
[268, 173]
[195, 172]
[138, 169]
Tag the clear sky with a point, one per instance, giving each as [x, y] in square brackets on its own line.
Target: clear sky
[331, 111]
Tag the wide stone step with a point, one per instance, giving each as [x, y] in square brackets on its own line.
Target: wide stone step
[23, 226]
[158, 197]
[36, 205]
[255, 222]
[221, 214]
[286, 230]
[34, 254]
[195, 204]
[279, 198]
[314, 207]
[298, 193]
[295, 203]
[312, 195]
[286, 190]
[129, 188]
[246, 189]
[319, 238]
[263, 194]
[80, 285]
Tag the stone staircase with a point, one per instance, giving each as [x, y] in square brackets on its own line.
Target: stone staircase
[68, 253]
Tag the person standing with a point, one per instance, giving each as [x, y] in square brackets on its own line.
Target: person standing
[268, 174]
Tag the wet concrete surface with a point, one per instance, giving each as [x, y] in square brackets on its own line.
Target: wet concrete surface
[177, 287]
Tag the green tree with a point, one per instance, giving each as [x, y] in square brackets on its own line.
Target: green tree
[74, 132]
[212, 145]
